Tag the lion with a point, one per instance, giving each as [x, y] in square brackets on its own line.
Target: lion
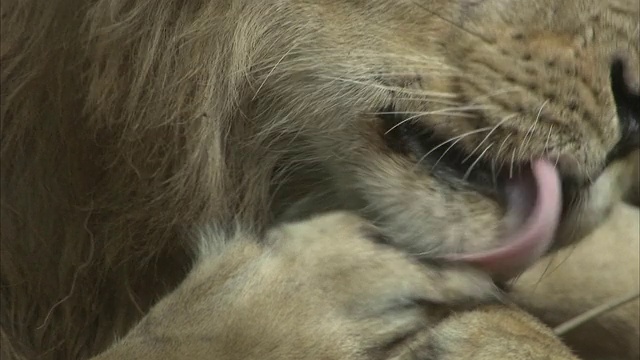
[347, 297]
[603, 267]
[471, 135]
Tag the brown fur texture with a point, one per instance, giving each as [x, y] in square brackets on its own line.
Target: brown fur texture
[129, 125]
[602, 267]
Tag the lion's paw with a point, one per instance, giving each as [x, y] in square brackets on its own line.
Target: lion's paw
[328, 288]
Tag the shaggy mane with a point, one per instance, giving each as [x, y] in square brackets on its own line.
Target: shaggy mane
[146, 110]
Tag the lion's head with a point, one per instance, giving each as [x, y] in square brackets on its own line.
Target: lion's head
[465, 129]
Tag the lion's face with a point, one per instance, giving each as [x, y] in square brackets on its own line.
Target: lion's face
[430, 115]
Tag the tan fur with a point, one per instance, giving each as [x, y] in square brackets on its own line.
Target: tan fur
[602, 267]
[497, 332]
[130, 125]
[321, 289]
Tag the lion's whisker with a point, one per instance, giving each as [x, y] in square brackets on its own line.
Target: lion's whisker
[513, 159]
[504, 119]
[460, 137]
[497, 156]
[531, 130]
[468, 172]
[455, 139]
[573, 323]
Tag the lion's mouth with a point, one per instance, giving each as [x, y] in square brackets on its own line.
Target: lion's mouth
[531, 195]
[534, 207]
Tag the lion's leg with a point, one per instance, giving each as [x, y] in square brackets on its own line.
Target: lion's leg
[325, 289]
[604, 266]
[322, 288]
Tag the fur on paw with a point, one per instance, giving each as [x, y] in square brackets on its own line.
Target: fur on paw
[321, 288]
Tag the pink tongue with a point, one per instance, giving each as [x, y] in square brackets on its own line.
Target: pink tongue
[535, 200]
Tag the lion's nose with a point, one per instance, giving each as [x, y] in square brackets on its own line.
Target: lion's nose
[627, 102]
